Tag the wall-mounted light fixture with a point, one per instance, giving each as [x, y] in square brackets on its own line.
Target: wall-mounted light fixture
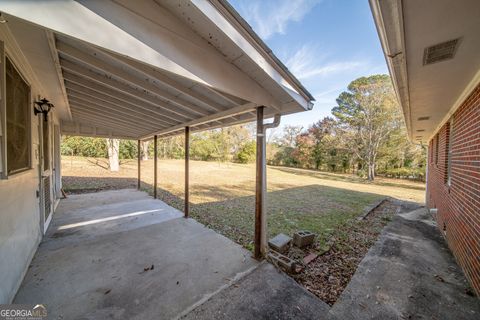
[42, 106]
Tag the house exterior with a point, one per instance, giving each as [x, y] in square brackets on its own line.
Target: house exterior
[119, 69]
[431, 48]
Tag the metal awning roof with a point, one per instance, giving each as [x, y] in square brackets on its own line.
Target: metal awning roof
[137, 69]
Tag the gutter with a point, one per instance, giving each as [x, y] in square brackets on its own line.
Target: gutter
[392, 40]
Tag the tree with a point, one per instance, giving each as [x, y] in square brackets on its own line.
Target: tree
[303, 152]
[113, 148]
[370, 112]
[144, 147]
[321, 132]
[247, 152]
[289, 136]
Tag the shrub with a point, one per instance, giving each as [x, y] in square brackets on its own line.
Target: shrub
[246, 154]
[85, 147]
[404, 173]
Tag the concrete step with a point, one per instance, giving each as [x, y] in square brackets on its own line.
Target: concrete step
[265, 293]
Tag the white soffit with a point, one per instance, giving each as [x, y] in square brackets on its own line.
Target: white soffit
[435, 90]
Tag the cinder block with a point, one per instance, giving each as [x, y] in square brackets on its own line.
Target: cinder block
[281, 261]
[280, 243]
[303, 238]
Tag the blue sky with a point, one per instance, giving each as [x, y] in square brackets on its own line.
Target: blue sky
[325, 43]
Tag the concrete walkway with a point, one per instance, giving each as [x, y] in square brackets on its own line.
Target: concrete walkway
[408, 274]
[123, 255]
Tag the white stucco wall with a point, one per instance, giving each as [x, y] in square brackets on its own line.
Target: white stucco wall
[21, 226]
[19, 230]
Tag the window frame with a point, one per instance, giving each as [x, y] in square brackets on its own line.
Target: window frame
[437, 146]
[5, 174]
[448, 154]
[430, 153]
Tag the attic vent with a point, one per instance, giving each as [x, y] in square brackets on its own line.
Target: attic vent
[423, 118]
[440, 52]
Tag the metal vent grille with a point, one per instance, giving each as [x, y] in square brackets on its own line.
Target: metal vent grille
[440, 52]
[47, 205]
[423, 118]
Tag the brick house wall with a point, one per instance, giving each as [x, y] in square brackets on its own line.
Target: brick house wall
[453, 185]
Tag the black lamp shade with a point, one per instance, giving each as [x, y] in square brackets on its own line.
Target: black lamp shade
[42, 106]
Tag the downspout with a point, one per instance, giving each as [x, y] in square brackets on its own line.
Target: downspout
[260, 240]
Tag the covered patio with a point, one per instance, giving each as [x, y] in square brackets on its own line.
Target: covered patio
[92, 262]
[138, 70]
[124, 255]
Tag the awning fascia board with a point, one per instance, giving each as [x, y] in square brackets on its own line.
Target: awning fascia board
[212, 9]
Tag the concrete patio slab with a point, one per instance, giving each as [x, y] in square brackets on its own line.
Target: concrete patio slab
[266, 293]
[408, 274]
[136, 260]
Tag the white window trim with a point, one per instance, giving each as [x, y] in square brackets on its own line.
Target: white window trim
[3, 115]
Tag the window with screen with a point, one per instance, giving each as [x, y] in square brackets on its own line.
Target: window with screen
[17, 93]
[448, 178]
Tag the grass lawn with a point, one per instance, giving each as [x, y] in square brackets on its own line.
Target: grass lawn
[222, 194]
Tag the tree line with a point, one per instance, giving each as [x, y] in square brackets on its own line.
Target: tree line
[365, 135]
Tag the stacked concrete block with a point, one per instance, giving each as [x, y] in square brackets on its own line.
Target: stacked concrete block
[280, 243]
[303, 238]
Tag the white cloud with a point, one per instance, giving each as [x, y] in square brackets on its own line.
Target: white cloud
[270, 17]
[306, 63]
[328, 96]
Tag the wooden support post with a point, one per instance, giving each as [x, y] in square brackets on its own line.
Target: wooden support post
[187, 159]
[260, 189]
[139, 156]
[155, 156]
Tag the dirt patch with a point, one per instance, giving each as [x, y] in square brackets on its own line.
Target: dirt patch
[328, 275]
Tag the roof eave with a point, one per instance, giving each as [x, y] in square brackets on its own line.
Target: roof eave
[236, 20]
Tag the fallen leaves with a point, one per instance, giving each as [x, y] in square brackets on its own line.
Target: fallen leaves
[147, 269]
[327, 275]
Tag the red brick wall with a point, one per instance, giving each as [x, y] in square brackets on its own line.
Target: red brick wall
[458, 204]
